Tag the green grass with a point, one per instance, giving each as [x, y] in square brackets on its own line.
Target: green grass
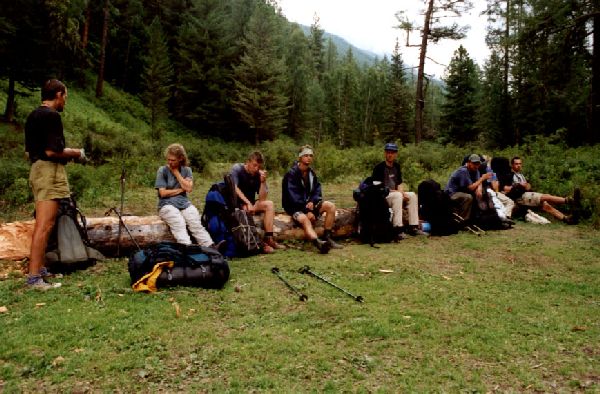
[510, 311]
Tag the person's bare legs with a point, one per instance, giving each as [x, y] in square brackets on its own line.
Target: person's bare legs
[305, 222]
[553, 211]
[45, 215]
[552, 199]
[329, 209]
[269, 213]
[267, 207]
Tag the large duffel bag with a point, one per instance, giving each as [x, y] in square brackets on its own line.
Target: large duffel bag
[171, 264]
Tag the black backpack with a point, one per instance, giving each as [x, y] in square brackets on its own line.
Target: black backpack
[374, 217]
[194, 265]
[435, 208]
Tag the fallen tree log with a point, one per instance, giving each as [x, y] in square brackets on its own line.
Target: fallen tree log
[15, 238]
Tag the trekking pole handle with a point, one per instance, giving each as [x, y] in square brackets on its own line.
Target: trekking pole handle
[302, 296]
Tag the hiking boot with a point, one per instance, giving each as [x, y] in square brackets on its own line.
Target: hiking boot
[334, 245]
[414, 231]
[267, 249]
[577, 198]
[401, 236]
[570, 219]
[38, 283]
[574, 201]
[44, 273]
[272, 243]
[323, 246]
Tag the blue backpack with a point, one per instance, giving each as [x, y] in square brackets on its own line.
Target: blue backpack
[216, 217]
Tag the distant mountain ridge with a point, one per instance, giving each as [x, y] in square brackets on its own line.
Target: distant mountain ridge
[361, 56]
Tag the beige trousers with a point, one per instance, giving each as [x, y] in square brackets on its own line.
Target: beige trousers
[396, 201]
[179, 221]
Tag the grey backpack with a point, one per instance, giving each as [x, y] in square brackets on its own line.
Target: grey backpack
[69, 242]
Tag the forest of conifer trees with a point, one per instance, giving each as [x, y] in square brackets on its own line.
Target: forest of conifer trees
[237, 69]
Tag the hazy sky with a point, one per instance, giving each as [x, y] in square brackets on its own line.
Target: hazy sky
[369, 24]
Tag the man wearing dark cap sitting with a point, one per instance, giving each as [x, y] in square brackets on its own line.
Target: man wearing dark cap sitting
[388, 172]
[465, 184]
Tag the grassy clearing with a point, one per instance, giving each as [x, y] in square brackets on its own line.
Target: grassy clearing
[510, 311]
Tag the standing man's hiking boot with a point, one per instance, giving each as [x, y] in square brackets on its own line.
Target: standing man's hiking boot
[38, 283]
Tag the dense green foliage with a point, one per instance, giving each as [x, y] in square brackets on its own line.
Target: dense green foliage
[115, 131]
[537, 82]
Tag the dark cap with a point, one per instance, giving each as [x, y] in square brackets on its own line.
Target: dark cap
[474, 158]
[390, 146]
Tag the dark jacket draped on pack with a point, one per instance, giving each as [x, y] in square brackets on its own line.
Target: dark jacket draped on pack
[379, 172]
[296, 194]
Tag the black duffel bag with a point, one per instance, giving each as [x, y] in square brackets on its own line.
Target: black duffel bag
[193, 265]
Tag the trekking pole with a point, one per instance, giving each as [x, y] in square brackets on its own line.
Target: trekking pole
[121, 222]
[306, 270]
[459, 220]
[303, 297]
[122, 181]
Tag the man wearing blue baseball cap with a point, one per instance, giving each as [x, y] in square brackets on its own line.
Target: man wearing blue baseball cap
[388, 172]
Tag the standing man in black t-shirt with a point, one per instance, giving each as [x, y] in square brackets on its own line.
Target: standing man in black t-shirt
[250, 179]
[388, 172]
[45, 146]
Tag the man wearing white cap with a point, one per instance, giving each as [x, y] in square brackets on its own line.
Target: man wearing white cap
[388, 172]
[303, 200]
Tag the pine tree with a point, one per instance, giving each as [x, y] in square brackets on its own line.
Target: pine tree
[460, 109]
[203, 61]
[158, 76]
[260, 78]
[298, 62]
[493, 117]
[316, 45]
[399, 111]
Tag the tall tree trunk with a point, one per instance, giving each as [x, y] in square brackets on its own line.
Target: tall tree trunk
[9, 112]
[506, 48]
[100, 81]
[507, 137]
[85, 34]
[594, 133]
[420, 99]
[126, 60]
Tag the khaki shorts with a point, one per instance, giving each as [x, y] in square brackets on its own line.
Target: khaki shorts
[48, 181]
[530, 199]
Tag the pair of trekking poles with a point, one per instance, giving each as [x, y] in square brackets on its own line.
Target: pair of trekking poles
[473, 228]
[306, 270]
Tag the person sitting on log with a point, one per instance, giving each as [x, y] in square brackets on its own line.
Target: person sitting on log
[465, 185]
[173, 182]
[388, 172]
[521, 191]
[250, 179]
[302, 199]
